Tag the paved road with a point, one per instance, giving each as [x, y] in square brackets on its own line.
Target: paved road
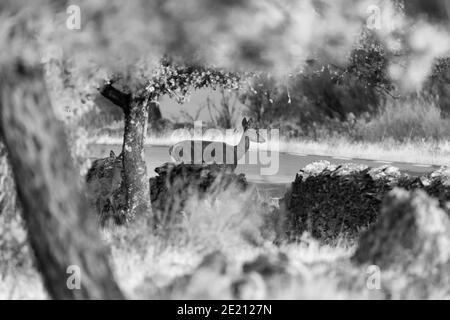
[275, 185]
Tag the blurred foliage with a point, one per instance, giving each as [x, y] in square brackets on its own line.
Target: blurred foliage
[411, 236]
[341, 80]
[438, 84]
[435, 10]
[408, 222]
[335, 92]
[359, 101]
[322, 92]
[14, 251]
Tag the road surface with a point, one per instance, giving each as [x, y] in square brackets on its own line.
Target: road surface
[275, 185]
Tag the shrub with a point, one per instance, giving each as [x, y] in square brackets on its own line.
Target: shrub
[411, 238]
[104, 189]
[175, 184]
[322, 92]
[437, 84]
[414, 118]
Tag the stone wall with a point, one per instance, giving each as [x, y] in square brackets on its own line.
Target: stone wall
[331, 201]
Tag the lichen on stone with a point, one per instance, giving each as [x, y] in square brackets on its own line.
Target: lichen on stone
[332, 201]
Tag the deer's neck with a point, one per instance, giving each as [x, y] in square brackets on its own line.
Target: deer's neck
[242, 147]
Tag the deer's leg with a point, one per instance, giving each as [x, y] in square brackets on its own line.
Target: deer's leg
[98, 205]
[101, 211]
[112, 203]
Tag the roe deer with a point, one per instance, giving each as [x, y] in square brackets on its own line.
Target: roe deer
[208, 152]
[104, 179]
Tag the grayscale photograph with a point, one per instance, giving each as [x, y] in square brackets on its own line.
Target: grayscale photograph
[247, 151]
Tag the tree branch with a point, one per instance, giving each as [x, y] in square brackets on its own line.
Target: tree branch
[117, 97]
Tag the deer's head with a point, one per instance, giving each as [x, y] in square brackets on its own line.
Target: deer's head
[251, 131]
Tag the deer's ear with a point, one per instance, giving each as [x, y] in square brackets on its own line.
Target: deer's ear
[244, 123]
[112, 154]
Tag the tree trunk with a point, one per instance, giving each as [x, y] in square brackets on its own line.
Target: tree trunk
[62, 230]
[136, 184]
